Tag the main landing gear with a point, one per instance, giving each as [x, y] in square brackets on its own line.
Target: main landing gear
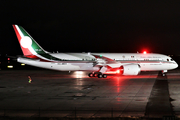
[99, 75]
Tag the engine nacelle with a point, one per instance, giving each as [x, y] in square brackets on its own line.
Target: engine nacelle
[130, 69]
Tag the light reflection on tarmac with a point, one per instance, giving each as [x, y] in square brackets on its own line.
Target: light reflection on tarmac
[63, 94]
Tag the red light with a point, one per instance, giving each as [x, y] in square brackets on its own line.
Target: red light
[114, 71]
[144, 52]
[8, 58]
[118, 71]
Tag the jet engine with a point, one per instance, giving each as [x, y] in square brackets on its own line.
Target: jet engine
[130, 69]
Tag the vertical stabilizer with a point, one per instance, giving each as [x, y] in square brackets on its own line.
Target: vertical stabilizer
[28, 45]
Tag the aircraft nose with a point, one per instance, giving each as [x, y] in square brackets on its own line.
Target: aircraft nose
[176, 65]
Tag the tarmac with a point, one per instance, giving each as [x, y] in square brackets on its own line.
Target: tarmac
[74, 94]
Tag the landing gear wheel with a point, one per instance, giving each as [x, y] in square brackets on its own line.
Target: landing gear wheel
[100, 75]
[95, 74]
[90, 74]
[104, 76]
[163, 74]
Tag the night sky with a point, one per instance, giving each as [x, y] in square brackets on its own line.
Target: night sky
[93, 25]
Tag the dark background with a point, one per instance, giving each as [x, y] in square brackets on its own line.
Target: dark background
[93, 25]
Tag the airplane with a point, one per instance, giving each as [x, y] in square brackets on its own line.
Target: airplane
[99, 64]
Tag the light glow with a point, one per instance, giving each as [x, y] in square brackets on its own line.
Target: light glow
[111, 72]
[22, 64]
[118, 71]
[79, 74]
[144, 52]
[10, 66]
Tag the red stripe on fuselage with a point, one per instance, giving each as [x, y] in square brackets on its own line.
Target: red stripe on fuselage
[32, 56]
[145, 62]
[37, 58]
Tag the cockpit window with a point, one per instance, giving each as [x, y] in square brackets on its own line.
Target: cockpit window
[172, 60]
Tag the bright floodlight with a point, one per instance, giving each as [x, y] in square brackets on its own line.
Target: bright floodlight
[118, 71]
[79, 72]
[22, 64]
[144, 52]
[9, 66]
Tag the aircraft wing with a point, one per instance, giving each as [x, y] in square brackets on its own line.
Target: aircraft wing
[108, 60]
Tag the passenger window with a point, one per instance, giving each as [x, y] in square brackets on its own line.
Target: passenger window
[167, 59]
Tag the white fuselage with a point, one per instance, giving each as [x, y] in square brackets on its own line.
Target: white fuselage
[86, 61]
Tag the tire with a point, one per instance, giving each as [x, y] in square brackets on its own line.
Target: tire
[163, 74]
[104, 76]
[95, 75]
[90, 74]
[100, 75]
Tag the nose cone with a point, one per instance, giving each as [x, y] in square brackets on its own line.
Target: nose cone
[175, 65]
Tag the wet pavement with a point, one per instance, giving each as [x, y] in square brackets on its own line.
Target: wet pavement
[159, 103]
[63, 94]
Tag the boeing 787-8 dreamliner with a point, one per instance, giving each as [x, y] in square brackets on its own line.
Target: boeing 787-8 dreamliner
[98, 64]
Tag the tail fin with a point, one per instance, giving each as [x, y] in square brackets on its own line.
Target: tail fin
[28, 45]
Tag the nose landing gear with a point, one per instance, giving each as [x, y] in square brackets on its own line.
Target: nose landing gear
[163, 73]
